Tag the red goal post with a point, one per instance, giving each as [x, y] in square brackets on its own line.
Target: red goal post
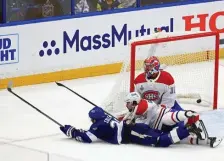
[138, 43]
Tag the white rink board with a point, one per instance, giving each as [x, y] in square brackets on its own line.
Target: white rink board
[105, 42]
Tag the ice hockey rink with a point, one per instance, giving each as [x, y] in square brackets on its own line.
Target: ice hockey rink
[26, 135]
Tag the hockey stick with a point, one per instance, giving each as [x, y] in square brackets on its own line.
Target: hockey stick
[62, 85]
[9, 88]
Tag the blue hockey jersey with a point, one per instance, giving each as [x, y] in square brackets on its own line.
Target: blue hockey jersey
[108, 130]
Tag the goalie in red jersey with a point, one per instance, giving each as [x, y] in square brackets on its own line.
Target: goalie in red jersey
[156, 85]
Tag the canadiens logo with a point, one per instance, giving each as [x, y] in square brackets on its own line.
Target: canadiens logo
[151, 95]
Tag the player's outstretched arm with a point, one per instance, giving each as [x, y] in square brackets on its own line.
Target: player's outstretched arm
[78, 134]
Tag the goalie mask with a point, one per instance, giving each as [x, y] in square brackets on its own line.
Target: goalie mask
[132, 100]
[151, 66]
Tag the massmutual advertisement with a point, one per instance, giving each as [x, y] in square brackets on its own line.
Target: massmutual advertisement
[97, 40]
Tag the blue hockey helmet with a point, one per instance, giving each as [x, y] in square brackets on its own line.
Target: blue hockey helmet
[97, 113]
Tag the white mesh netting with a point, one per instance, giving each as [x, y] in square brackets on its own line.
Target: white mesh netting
[190, 61]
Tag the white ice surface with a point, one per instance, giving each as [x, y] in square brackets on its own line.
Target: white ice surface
[23, 128]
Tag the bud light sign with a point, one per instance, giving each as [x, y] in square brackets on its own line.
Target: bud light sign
[9, 49]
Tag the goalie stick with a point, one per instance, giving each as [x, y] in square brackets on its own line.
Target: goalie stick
[9, 88]
[62, 85]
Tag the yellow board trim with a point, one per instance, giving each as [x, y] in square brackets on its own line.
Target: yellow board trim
[72, 74]
[61, 75]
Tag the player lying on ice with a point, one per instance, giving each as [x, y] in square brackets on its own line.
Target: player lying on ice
[156, 85]
[160, 117]
[108, 129]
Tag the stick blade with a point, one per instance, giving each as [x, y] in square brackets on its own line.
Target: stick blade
[10, 85]
[59, 84]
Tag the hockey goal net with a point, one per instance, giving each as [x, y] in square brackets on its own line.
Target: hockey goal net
[191, 58]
